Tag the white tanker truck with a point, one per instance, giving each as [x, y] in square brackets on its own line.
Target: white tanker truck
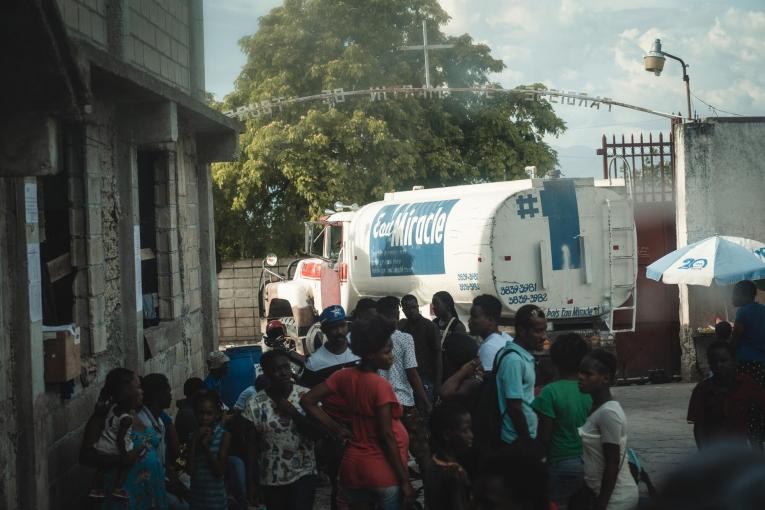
[567, 245]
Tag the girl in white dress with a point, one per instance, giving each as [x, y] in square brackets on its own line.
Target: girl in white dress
[116, 437]
[604, 437]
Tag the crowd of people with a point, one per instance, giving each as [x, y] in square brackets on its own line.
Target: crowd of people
[468, 412]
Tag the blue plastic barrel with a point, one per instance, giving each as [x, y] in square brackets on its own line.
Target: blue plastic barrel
[241, 371]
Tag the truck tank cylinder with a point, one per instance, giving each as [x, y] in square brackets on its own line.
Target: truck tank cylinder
[552, 243]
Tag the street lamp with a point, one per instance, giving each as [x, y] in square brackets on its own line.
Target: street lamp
[654, 63]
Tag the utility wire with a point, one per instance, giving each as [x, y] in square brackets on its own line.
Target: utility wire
[714, 108]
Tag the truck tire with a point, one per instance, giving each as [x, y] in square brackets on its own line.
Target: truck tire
[314, 339]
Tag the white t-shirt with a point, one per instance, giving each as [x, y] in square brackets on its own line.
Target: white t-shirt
[107, 442]
[403, 358]
[285, 454]
[490, 347]
[243, 396]
[608, 424]
[323, 358]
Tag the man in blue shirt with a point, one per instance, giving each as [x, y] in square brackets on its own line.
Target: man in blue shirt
[749, 340]
[749, 327]
[217, 363]
[484, 321]
[516, 376]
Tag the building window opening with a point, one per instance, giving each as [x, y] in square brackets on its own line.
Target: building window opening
[55, 250]
[149, 163]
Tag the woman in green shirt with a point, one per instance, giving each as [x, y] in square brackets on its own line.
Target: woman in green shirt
[562, 409]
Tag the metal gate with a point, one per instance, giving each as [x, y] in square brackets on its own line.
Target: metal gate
[654, 348]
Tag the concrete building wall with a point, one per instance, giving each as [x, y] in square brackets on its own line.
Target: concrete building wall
[176, 347]
[8, 496]
[157, 33]
[238, 282]
[720, 188]
[238, 300]
[86, 18]
[160, 39]
[75, 197]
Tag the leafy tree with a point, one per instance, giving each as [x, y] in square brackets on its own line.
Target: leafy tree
[301, 159]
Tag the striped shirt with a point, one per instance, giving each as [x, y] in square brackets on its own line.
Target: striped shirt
[208, 491]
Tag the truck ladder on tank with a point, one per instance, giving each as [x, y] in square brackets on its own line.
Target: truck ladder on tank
[621, 260]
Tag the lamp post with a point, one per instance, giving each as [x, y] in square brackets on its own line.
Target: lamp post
[654, 63]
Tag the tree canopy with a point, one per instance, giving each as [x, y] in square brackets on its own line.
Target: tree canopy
[298, 161]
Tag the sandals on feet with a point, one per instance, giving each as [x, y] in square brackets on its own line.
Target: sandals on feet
[120, 494]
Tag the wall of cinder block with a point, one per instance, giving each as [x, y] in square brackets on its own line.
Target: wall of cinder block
[8, 496]
[98, 202]
[238, 300]
[238, 284]
[158, 31]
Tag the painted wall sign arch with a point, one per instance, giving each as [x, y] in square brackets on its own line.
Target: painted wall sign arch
[332, 97]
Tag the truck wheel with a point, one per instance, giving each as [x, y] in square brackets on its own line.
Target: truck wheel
[314, 339]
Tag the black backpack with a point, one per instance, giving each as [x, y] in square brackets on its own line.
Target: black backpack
[487, 420]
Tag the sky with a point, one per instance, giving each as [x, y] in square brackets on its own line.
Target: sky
[588, 46]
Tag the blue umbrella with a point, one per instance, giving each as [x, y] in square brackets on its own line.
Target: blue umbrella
[722, 259]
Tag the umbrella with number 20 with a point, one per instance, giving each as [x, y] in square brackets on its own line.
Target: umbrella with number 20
[721, 259]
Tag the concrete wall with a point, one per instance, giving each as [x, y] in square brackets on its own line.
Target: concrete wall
[720, 190]
[110, 338]
[86, 18]
[238, 283]
[238, 300]
[8, 496]
[157, 35]
[160, 39]
[74, 178]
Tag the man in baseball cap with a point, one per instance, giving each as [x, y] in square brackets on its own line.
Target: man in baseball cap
[334, 354]
[217, 363]
[332, 315]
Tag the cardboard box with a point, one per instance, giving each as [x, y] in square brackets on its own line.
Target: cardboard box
[61, 346]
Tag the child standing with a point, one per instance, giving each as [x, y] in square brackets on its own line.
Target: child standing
[447, 486]
[721, 405]
[562, 409]
[116, 437]
[208, 454]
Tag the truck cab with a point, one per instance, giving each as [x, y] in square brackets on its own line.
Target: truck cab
[314, 282]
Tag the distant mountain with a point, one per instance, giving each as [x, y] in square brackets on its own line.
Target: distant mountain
[579, 161]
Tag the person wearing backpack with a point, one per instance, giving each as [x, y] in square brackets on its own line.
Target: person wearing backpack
[515, 375]
[484, 321]
[490, 407]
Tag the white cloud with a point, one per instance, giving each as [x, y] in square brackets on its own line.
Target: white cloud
[741, 95]
[517, 17]
[462, 16]
[718, 37]
[569, 10]
[509, 77]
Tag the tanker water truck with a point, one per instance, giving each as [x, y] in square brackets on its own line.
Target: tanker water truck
[567, 245]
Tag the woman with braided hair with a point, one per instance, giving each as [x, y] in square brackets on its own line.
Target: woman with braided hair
[144, 483]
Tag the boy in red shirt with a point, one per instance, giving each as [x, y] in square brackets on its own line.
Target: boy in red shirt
[721, 406]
